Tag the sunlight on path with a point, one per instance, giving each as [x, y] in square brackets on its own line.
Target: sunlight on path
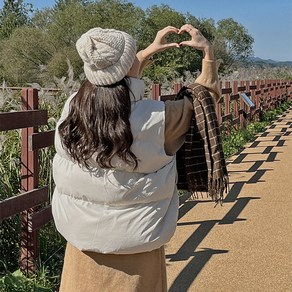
[245, 245]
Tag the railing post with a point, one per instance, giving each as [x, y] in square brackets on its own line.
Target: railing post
[267, 92]
[271, 92]
[235, 102]
[259, 100]
[282, 92]
[29, 181]
[258, 94]
[177, 87]
[253, 98]
[242, 108]
[279, 93]
[155, 91]
[227, 99]
[248, 91]
[219, 108]
[227, 108]
[289, 91]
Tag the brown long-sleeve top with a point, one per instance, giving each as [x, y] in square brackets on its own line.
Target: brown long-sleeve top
[178, 113]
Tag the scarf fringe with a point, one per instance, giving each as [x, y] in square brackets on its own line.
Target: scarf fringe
[215, 190]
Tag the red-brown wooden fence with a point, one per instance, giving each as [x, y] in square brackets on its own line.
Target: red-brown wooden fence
[264, 94]
[33, 201]
[32, 196]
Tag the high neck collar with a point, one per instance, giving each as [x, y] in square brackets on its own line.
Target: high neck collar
[137, 88]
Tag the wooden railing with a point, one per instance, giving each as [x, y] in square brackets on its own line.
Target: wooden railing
[33, 201]
[32, 196]
[233, 106]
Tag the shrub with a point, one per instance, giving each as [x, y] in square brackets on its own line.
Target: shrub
[233, 140]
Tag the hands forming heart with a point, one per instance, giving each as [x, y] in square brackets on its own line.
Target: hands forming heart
[198, 41]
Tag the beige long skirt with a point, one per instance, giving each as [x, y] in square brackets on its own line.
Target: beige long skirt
[94, 272]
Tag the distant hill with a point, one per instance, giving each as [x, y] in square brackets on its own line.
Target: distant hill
[269, 62]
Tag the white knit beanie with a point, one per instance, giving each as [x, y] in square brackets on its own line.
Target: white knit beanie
[108, 55]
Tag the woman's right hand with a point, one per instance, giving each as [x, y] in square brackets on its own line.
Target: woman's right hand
[198, 41]
[160, 42]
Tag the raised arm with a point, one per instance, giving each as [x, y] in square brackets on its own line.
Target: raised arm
[178, 114]
[209, 74]
[158, 45]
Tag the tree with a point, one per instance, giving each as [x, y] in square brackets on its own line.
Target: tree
[62, 4]
[71, 18]
[68, 22]
[41, 19]
[174, 62]
[24, 55]
[118, 14]
[232, 42]
[38, 48]
[169, 63]
[55, 31]
[205, 25]
[13, 14]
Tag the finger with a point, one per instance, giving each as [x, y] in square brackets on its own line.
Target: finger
[186, 43]
[172, 45]
[170, 29]
[186, 28]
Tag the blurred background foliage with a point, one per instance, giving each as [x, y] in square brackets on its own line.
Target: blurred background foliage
[35, 45]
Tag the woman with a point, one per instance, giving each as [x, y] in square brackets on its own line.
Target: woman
[116, 199]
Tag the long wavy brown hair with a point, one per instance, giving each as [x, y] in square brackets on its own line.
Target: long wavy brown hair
[98, 125]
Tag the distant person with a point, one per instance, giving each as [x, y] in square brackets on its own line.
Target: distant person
[116, 199]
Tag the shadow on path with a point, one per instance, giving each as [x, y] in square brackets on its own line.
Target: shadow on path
[198, 259]
[192, 269]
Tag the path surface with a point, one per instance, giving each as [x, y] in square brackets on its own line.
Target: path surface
[245, 245]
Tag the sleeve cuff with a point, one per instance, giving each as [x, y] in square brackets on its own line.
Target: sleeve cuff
[209, 77]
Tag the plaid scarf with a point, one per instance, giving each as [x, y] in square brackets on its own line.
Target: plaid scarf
[200, 161]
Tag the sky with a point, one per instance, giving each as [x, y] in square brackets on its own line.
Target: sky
[269, 22]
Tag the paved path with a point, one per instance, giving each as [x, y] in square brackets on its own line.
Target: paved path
[245, 245]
